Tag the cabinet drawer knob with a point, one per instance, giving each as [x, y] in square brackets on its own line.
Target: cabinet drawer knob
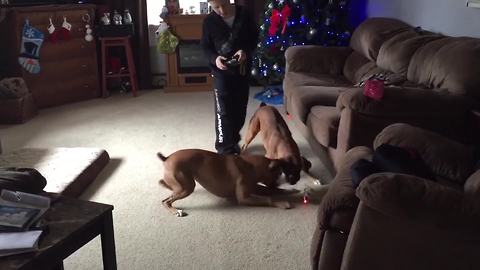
[84, 66]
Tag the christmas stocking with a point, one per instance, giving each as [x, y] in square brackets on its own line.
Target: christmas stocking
[65, 30]
[32, 40]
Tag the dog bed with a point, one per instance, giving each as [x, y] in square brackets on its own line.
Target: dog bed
[68, 170]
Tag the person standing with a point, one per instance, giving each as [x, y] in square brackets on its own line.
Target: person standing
[229, 32]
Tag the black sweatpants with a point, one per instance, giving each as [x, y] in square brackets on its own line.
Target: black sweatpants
[231, 99]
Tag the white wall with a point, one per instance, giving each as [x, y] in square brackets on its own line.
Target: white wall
[450, 17]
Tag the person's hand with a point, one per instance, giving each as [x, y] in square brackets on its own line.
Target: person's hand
[241, 55]
[219, 62]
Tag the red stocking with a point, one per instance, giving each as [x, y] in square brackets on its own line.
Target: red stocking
[64, 32]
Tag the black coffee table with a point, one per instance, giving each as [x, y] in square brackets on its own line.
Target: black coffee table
[71, 224]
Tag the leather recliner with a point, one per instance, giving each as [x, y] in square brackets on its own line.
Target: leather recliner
[400, 221]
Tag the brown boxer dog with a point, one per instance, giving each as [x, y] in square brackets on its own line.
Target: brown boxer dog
[278, 142]
[228, 176]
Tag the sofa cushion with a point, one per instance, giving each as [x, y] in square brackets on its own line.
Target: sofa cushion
[372, 33]
[294, 79]
[355, 65]
[450, 63]
[446, 158]
[305, 97]
[323, 122]
[68, 170]
[395, 53]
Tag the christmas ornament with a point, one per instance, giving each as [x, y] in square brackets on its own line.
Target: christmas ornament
[259, 45]
[311, 33]
[270, 6]
[282, 48]
[276, 66]
[32, 40]
[296, 1]
[254, 72]
[262, 27]
[277, 18]
[88, 31]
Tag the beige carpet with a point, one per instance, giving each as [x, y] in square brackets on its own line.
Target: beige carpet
[216, 234]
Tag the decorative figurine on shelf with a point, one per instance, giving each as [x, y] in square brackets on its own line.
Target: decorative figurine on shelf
[203, 8]
[117, 18]
[127, 18]
[164, 13]
[192, 10]
[88, 32]
[106, 18]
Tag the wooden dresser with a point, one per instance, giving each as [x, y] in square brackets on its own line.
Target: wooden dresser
[69, 70]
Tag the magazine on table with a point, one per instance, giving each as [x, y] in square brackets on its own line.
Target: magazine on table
[15, 217]
[19, 242]
[19, 210]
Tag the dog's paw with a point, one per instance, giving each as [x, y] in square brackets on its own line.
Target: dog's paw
[244, 147]
[282, 205]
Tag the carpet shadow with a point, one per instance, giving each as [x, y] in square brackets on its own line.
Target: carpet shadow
[102, 178]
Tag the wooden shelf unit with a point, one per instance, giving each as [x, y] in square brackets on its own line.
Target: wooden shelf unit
[186, 27]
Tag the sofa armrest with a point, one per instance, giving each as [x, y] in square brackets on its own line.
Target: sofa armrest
[316, 59]
[398, 102]
[445, 157]
[379, 241]
[412, 198]
[341, 192]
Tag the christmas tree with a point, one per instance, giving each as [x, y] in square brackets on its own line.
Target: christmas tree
[296, 22]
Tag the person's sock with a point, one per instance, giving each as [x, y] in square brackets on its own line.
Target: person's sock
[32, 40]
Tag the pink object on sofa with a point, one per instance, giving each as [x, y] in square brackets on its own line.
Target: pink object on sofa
[374, 89]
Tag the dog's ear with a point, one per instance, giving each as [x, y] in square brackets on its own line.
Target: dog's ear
[306, 165]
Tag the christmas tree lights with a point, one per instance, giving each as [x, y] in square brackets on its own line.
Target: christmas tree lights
[292, 23]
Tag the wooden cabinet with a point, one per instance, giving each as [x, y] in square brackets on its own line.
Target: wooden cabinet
[186, 28]
[68, 68]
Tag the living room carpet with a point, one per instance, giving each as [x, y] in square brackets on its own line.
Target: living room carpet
[216, 234]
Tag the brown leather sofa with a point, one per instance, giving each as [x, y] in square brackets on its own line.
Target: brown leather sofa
[399, 221]
[432, 79]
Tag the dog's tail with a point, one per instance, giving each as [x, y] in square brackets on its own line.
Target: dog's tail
[263, 104]
[162, 157]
